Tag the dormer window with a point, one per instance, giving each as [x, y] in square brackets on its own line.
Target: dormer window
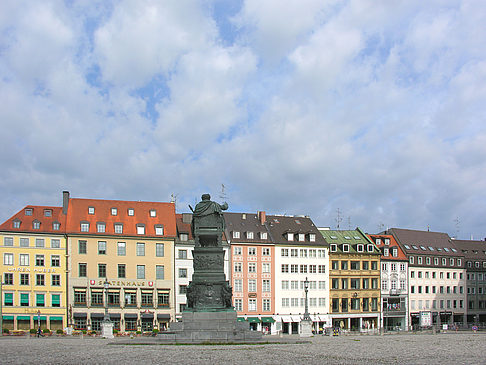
[333, 247]
[378, 241]
[118, 228]
[236, 234]
[16, 223]
[369, 248]
[47, 213]
[28, 211]
[36, 224]
[249, 235]
[386, 252]
[114, 211]
[427, 260]
[159, 229]
[243, 216]
[263, 235]
[140, 228]
[153, 213]
[100, 227]
[451, 262]
[91, 210]
[56, 226]
[387, 241]
[360, 248]
[184, 237]
[290, 236]
[301, 237]
[312, 237]
[131, 212]
[345, 247]
[84, 227]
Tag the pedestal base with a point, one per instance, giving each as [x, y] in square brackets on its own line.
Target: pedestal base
[212, 327]
[306, 328]
[107, 330]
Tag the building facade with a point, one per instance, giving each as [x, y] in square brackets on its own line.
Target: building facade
[437, 277]
[475, 259]
[394, 283]
[128, 246]
[33, 248]
[354, 280]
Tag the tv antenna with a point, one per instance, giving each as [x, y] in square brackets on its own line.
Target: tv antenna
[338, 218]
[458, 225]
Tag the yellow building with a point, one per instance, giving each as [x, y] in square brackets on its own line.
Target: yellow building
[33, 250]
[354, 280]
[128, 247]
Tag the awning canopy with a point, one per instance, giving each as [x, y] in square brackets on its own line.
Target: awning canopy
[163, 316]
[55, 318]
[23, 318]
[267, 320]
[131, 315]
[80, 315]
[115, 315]
[8, 318]
[147, 316]
[253, 319]
[97, 315]
[241, 319]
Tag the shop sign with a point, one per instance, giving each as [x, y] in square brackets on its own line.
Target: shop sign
[122, 283]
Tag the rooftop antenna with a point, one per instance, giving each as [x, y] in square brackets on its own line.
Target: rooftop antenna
[338, 218]
[173, 199]
[457, 223]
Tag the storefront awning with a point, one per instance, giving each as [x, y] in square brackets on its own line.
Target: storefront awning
[97, 315]
[80, 315]
[41, 318]
[241, 319]
[267, 320]
[147, 316]
[23, 318]
[163, 316]
[131, 315]
[286, 319]
[253, 319]
[115, 315]
[55, 318]
[8, 318]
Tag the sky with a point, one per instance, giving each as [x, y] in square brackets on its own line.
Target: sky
[373, 111]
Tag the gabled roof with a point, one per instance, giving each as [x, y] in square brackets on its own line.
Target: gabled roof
[164, 215]
[472, 250]
[280, 226]
[244, 223]
[38, 213]
[393, 244]
[353, 238]
[184, 227]
[424, 242]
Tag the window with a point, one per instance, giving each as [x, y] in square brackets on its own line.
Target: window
[386, 252]
[8, 241]
[184, 237]
[16, 223]
[294, 252]
[290, 236]
[249, 235]
[252, 305]
[266, 305]
[360, 248]
[24, 242]
[8, 299]
[334, 283]
[96, 298]
[56, 226]
[82, 270]
[419, 260]
[303, 269]
[40, 300]
[84, 227]
[384, 285]
[153, 213]
[238, 305]
[122, 271]
[159, 249]
[252, 285]
[237, 251]
[251, 267]
[40, 280]
[285, 268]
[321, 269]
[91, 210]
[266, 251]
[344, 265]
[411, 259]
[374, 283]
[36, 224]
[236, 234]
[159, 272]
[82, 247]
[24, 279]
[140, 271]
[102, 270]
[294, 268]
[266, 285]
[182, 254]
[39, 260]
[238, 285]
[182, 273]
[374, 265]
[114, 211]
[56, 280]
[24, 259]
[182, 289]
[345, 247]
[294, 285]
[355, 283]
[355, 265]
[100, 227]
[284, 252]
[238, 267]
[322, 285]
[263, 235]
[369, 248]
[24, 299]
[28, 211]
[118, 228]
[140, 249]
[266, 267]
[8, 258]
[366, 265]
[335, 265]
[303, 253]
[140, 229]
[8, 279]
[321, 254]
[55, 261]
[39, 242]
[159, 231]
[101, 247]
[252, 251]
[312, 269]
[312, 237]
[131, 212]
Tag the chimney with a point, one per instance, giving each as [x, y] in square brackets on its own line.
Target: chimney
[186, 218]
[65, 201]
[262, 217]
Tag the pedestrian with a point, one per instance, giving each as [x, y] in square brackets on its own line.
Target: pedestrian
[39, 332]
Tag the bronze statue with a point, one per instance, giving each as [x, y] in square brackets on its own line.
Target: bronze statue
[208, 222]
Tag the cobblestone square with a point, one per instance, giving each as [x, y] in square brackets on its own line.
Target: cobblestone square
[448, 348]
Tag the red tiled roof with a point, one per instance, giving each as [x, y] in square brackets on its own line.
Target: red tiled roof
[183, 227]
[78, 212]
[393, 243]
[38, 214]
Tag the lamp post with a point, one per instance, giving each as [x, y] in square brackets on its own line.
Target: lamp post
[306, 322]
[306, 312]
[107, 325]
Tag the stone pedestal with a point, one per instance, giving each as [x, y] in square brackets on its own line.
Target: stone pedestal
[211, 327]
[305, 328]
[107, 329]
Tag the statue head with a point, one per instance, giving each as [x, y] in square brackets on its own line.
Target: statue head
[206, 197]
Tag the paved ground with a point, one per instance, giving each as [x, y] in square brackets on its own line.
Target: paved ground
[450, 348]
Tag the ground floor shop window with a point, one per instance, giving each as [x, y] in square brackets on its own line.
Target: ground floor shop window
[80, 323]
[147, 325]
[116, 323]
[130, 324]
[96, 324]
[23, 324]
[55, 324]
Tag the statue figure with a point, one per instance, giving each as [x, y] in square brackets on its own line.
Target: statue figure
[208, 222]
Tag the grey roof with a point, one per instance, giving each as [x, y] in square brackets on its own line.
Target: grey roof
[472, 250]
[424, 242]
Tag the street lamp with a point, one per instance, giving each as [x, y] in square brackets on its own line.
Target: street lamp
[107, 286]
[306, 312]
[107, 325]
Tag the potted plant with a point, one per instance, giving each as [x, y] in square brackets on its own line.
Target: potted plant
[46, 332]
[6, 331]
[59, 332]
